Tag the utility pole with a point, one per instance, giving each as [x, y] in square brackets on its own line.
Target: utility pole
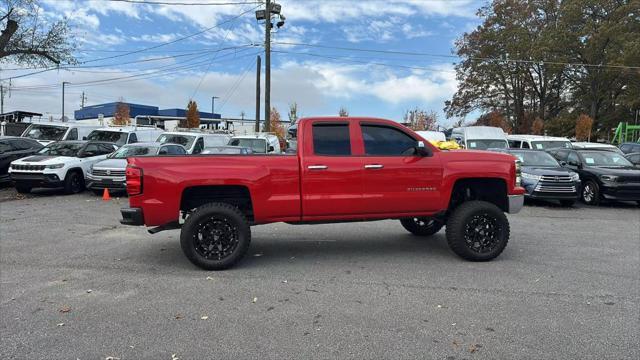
[267, 68]
[63, 84]
[1, 99]
[258, 95]
[82, 100]
[213, 105]
[270, 8]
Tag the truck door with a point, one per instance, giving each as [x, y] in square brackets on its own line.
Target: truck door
[331, 175]
[396, 180]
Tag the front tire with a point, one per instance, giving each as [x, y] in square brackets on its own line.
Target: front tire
[477, 231]
[215, 236]
[590, 194]
[23, 189]
[423, 226]
[567, 203]
[73, 182]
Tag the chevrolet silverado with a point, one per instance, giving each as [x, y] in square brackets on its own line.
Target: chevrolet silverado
[345, 169]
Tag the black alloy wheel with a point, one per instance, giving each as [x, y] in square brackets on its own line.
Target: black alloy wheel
[215, 236]
[477, 231]
[422, 226]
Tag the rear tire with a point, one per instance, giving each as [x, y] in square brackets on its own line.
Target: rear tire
[477, 231]
[423, 226]
[23, 189]
[567, 203]
[590, 193]
[215, 236]
[73, 182]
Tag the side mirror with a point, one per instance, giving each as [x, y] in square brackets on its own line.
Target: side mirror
[84, 138]
[423, 150]
[271, 148]
[563, 163]
[574, 163]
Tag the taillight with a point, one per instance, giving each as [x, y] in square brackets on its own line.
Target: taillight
[518, 173]
[134, 180]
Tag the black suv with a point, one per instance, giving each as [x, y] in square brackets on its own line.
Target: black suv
[629, 148]
[605, 175]
[14, 148]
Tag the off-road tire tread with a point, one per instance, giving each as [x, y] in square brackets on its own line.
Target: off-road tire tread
[186, 242]
[456, 227]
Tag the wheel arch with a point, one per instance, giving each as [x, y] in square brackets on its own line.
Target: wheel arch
[492, 190]
[239, 196]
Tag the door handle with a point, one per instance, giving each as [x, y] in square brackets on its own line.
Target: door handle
[317, 167]
[373, 166]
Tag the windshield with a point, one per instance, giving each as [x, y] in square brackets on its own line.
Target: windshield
[542, 145]
[61, 149]
[45, 132]
[257, 145]
[184, 140]
[604, 158]
[484, 144]
[4, 147]
[128, 151]
[119, 138]
[535, 158]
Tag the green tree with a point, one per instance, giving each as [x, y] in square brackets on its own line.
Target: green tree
[28, 39]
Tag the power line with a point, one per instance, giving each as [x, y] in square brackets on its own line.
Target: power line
[457, 57]
[235, 86]
[365, 62]
[148, 48]
[147, 2]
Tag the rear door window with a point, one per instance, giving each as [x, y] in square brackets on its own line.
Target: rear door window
[133, 138]
[525, 145]
[331, 139]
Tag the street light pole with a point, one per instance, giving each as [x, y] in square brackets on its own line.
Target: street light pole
[63, 84]
[213, 105]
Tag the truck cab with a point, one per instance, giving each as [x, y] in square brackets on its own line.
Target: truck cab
[345, 169]
[122, 135]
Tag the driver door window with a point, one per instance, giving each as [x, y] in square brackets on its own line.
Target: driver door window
[73, 134]
[573, 159]
[90, 150]
[386, 141]
[199, 146]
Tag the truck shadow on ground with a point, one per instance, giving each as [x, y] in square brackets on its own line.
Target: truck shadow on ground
[290, 250]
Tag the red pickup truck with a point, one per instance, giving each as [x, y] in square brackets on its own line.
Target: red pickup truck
[345, 169]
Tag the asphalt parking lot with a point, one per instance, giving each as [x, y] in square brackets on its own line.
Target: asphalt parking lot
[75, 284]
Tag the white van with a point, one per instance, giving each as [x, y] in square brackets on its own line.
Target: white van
[46, 133]
[121, 135]
[259, 143]
[432, 135]
[480, 137]
[538, 142]
[194, 142]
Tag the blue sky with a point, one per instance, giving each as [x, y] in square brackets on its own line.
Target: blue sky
[221, 62]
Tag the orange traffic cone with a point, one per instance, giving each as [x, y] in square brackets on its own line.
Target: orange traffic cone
[105, 195]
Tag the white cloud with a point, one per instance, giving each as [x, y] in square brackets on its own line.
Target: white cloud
[156, 38]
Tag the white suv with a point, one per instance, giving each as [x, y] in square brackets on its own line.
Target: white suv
[61, 164]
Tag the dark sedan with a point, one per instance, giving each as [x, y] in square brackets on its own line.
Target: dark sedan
[543, 177]
[14, 148]
[605, 175]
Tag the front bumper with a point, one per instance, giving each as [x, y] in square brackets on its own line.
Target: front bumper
[94, 183]
[132, 216]
[516, 202]
[37, 179]
[621, 192]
